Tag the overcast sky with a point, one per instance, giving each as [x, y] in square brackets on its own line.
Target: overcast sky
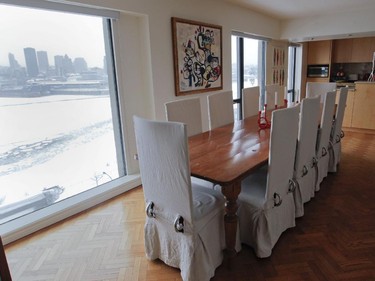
[56, 33]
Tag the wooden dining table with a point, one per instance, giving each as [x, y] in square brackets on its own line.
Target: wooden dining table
[225, 156]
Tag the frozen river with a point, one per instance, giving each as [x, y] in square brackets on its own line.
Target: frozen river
[55, 140]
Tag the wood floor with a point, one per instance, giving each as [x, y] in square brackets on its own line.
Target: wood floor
[335, 240]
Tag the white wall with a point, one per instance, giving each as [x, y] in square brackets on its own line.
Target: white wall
[359, 22]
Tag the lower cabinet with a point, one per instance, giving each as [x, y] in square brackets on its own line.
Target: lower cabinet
[362, 104]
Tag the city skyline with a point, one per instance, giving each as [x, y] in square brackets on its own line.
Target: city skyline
[25, 27]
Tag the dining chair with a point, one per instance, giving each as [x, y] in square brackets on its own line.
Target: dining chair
[323, 138]
[186, 111]
[266, 204]
[220, 109]
[304, 167]
[4, 268]
[250, 101]
[314, 89]
[337, 133]
[184, 222]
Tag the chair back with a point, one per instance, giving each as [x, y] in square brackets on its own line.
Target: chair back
[220, 109]
[339, 116]
[163, 154]
[307, 134]
[283, 142]
[186, 111]
[314, 89]
[326, 124]
[271, 91]
[250, 101]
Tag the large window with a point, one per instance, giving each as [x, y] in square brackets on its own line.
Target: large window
[248, 67]
[59, 119]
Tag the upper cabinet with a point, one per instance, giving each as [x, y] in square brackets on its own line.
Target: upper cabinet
[342, 50]
[363, 49]
[319, 52]
[353, 50]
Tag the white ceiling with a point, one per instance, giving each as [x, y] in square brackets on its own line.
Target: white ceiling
[292, 9]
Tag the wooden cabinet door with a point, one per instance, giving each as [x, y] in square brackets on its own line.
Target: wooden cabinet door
[342, 50]
[319, 52]
[348, 113]
[362, 49]
[364, 104]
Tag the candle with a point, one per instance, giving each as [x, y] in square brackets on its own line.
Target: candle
[276, 98]
[260, 103]
[297, 97]
[265, 97]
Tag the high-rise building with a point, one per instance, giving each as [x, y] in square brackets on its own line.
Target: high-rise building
[80, 65]
[13, 63]
[31, 62]
[59, 67]
[43, 61]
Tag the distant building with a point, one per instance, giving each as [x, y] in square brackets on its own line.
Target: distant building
[31, 62]
[13, 63]
[43, 61]
[59, 66]
[80, 65]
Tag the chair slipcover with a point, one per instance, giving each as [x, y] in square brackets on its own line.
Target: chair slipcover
[266, 201]
[250, 101]
[220, 109]
[336, 135]
[186, 111]
[304, 168]
[197, 249]
[322, 155]
[314, 89]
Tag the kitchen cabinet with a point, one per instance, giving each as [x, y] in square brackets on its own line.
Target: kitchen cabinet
[363, 106]
[342, 50]
[348, 113]
[319, 52]
[363, 49]
[353, 50]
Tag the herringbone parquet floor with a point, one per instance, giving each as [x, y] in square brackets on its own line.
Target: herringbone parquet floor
[335, 240]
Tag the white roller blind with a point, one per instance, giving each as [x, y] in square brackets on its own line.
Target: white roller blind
[65, 6]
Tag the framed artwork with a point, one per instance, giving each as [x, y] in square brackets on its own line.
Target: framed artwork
[197, 55]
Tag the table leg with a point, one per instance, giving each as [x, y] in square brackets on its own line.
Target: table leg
[231, 193]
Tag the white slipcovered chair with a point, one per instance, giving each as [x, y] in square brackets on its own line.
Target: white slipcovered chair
[266, 204]
[322, 155]
[220, 109]
[250, 101]
[314, 89]
[337, 134]
[184, 223]
[186, 111]
[304, 168]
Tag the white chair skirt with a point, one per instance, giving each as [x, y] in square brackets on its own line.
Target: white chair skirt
[195, 253]
[261, 228]
[334, 157]
[305, 190]
[323, 163]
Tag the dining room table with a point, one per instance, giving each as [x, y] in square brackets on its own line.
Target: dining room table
[225, 156]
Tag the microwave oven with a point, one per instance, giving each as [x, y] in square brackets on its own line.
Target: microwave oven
[318, 70]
